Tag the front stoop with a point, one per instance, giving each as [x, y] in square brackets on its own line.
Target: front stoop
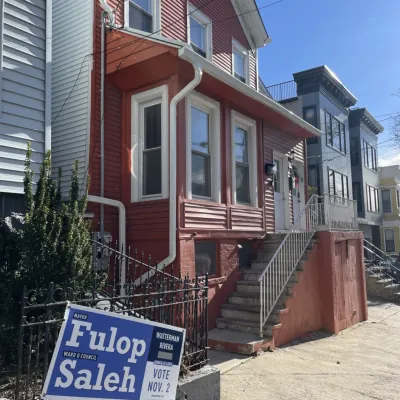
[239, 325]
[238, 342]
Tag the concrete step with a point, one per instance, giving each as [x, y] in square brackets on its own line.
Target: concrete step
[254, 286]
[386, 281]
[248, 299]
[238, 342]
[239, 325]
[393, 287]
[254, 275]
[243, 312]
[275, 316]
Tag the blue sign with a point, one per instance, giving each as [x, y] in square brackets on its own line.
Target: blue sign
[104, 355]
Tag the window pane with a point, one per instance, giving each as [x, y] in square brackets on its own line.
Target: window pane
[201, 182]
[145, 4]
[345, 187]
[152, 126]
[386, 206]
[242, 184]
[277, 176]
[389, 240]
[241, 146]
[309, 116]
[343, 137]
[205, 258]
[238, 63]
[138, 19]
[151, 172]
[331, 182]
[328, 128]
[336, 133]
[338, 185]
[197, 34]
[200, 124]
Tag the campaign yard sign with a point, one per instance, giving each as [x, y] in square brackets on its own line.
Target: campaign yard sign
[104, 355]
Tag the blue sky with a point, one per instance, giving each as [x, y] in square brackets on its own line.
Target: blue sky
[358, 39]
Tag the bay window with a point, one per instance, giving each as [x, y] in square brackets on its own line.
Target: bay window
[203, 148]
[150, 144]
[240, 62]
[244, 160]
[338, 184]
[386, 201]
[370, 156]
[143, 15]
[199, 30]
[335, 133]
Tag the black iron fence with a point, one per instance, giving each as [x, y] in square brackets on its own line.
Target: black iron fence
[122, 283]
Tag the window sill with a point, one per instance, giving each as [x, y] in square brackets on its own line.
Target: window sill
[336, 149]
[203, 200]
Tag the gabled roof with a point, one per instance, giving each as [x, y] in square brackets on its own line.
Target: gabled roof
[358, 115]
[252, 23]
[311, 80]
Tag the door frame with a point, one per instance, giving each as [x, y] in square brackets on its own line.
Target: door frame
[302, 190]
[285, 188]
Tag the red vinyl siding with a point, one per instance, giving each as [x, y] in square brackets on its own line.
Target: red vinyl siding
[205, 216]
[248, 219]
[174, 25]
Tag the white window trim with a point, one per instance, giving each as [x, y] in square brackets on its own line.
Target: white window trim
[156, 13]
[1, 53]
[211, 107]
[394, 239]
[250, 126]
[241, 49]
[138, 102]
[390, 199]
[193, 12]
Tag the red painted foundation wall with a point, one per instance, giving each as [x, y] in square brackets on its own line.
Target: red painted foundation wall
[331, 291]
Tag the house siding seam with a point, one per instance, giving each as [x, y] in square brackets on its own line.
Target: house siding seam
[72, 62]
[23, 88]
[276, 140]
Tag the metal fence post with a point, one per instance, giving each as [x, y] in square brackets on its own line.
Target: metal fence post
[20, 344]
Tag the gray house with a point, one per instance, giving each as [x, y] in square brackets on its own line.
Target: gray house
[322, 100]
[25, 93]
[364, 131]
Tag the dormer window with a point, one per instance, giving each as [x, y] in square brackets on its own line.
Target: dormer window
[199, 32]
[240, 62]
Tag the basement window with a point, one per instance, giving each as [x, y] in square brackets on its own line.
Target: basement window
[205, 253]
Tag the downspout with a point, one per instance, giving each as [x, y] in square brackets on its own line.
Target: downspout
[198, 73]
[107, 13]
[49, 45]
[121, 226]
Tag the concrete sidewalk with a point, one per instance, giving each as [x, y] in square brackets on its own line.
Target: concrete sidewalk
[362, 362]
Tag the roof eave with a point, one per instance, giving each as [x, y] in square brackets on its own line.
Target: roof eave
[189, 55]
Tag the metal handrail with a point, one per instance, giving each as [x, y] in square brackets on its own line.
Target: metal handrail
[278, 271]
[377, 248]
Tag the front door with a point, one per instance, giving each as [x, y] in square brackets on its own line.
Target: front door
[298, 195]
[281, 201]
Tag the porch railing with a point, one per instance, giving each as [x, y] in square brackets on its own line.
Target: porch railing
[279, 270]
[283, 91]
[339, 213]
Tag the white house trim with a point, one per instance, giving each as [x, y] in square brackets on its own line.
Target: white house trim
[212, 108]
[251, 127]
[154, 96]
[241, 49]
[155, 12]
[193, 12]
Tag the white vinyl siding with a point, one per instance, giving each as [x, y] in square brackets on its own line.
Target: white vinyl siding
[22, 89]
[72, 49]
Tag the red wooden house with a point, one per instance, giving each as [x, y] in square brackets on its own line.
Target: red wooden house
[182, 136]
